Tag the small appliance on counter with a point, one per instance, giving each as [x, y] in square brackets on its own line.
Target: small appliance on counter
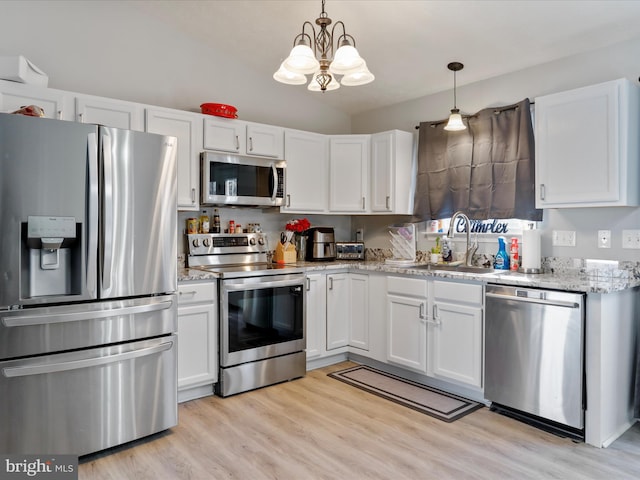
[321, 244]
[350, 250]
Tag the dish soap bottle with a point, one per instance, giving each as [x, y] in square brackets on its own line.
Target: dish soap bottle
[502, 259]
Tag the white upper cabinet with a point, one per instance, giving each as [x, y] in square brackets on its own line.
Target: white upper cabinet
[348, 173]
[392, 172]
[243, 138]
[307, 174]
[108, 112]
[587, 151]
[187, 128]
[55, 103]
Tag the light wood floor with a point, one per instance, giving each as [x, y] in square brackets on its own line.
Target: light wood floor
[319, 428]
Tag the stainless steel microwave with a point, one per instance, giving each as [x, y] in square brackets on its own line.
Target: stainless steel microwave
[229, 179]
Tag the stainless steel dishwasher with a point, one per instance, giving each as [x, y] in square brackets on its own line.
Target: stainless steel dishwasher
[534, 357]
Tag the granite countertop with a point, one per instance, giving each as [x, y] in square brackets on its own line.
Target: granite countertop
[575, 281]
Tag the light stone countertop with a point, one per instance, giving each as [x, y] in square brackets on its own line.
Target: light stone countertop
[574, 281]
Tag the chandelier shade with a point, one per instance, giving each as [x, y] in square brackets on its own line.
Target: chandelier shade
[315, 54]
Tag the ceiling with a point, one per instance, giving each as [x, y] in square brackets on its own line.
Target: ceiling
[408, 43]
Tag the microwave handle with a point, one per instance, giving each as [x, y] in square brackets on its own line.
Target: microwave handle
[274, 172]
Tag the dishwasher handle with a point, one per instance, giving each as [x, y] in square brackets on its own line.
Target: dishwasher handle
[541, 301]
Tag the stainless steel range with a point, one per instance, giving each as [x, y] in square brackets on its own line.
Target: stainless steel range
[261, 311]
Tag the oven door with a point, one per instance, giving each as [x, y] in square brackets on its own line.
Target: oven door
[261, 317]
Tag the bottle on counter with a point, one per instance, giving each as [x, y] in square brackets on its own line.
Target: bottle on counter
[447, 253]
[216, 221]
[204, 222]
[502, 259]
[232, 226]
[514, 255]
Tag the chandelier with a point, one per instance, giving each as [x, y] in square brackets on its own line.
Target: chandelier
[315, 56]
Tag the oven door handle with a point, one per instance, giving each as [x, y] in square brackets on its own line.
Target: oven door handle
[237, 286]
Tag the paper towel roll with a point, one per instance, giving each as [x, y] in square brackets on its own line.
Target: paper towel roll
[530, 249]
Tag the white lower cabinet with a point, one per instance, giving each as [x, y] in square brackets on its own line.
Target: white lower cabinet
[407, 322]
[197, 339]
[455, 333]
[316, 315]
[338, 306]
[337, 313]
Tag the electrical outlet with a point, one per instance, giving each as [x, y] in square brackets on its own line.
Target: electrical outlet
[564, 238]
[604, 238]
[631, 239]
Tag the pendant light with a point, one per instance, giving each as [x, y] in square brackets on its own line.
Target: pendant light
[455, 119]
[317, 55]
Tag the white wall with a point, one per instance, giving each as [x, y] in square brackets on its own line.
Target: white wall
[111, 49]
[598, 66]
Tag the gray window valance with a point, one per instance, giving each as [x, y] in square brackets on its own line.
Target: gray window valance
[487, 170]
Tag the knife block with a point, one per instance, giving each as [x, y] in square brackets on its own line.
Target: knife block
[285, 254]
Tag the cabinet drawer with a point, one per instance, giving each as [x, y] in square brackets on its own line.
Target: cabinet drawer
[412, 287]
[196, 293]
[458, 292]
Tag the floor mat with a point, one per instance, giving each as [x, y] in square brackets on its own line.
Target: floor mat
[438, 404]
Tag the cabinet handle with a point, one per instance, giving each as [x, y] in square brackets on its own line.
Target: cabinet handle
[421, 312]
[237, 143]
[80, 117]
[330, 283]
[250, 144]
[193, 195]
[59, 114]
[191, 292]
[387, 202]
[288, 200]
[308, 284]
[363, 203]
[542, 192]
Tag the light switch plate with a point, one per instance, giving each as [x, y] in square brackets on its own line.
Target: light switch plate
[631, 239]
[564, 238]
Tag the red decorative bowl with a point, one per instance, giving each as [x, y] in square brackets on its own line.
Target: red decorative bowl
[219, 110]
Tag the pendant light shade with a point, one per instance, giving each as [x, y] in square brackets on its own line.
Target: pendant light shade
[455, 122]
[317, 55]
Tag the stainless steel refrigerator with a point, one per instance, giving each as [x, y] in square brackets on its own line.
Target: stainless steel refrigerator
[88, 261]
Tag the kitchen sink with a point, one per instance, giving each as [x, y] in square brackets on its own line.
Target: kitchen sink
[454, 268]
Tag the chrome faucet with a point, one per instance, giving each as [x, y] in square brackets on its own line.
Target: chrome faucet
[470, 250]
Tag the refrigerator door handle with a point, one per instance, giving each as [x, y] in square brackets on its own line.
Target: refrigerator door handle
[92, 217]
[27, 370]
[48, 318]
[107, 259]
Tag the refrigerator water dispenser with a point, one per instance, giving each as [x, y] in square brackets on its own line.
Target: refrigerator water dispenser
[53, 255]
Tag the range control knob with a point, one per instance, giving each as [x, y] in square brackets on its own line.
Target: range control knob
[252, 241]
[206, 242]
[261, 240]
[196, 242]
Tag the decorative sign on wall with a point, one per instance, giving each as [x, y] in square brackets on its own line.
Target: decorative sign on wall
[512, 226]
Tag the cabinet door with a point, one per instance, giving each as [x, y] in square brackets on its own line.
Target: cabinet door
[56, 104]
[307, 173]
[316, 310]
[224, 134]
[187, 129]
[111, 113]
[337, 311]
[407, 331]
[265, 141]
[348, 173]
[581, 154]
[382, 172]
[455, 343]
[197, 346]
[359, 311]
